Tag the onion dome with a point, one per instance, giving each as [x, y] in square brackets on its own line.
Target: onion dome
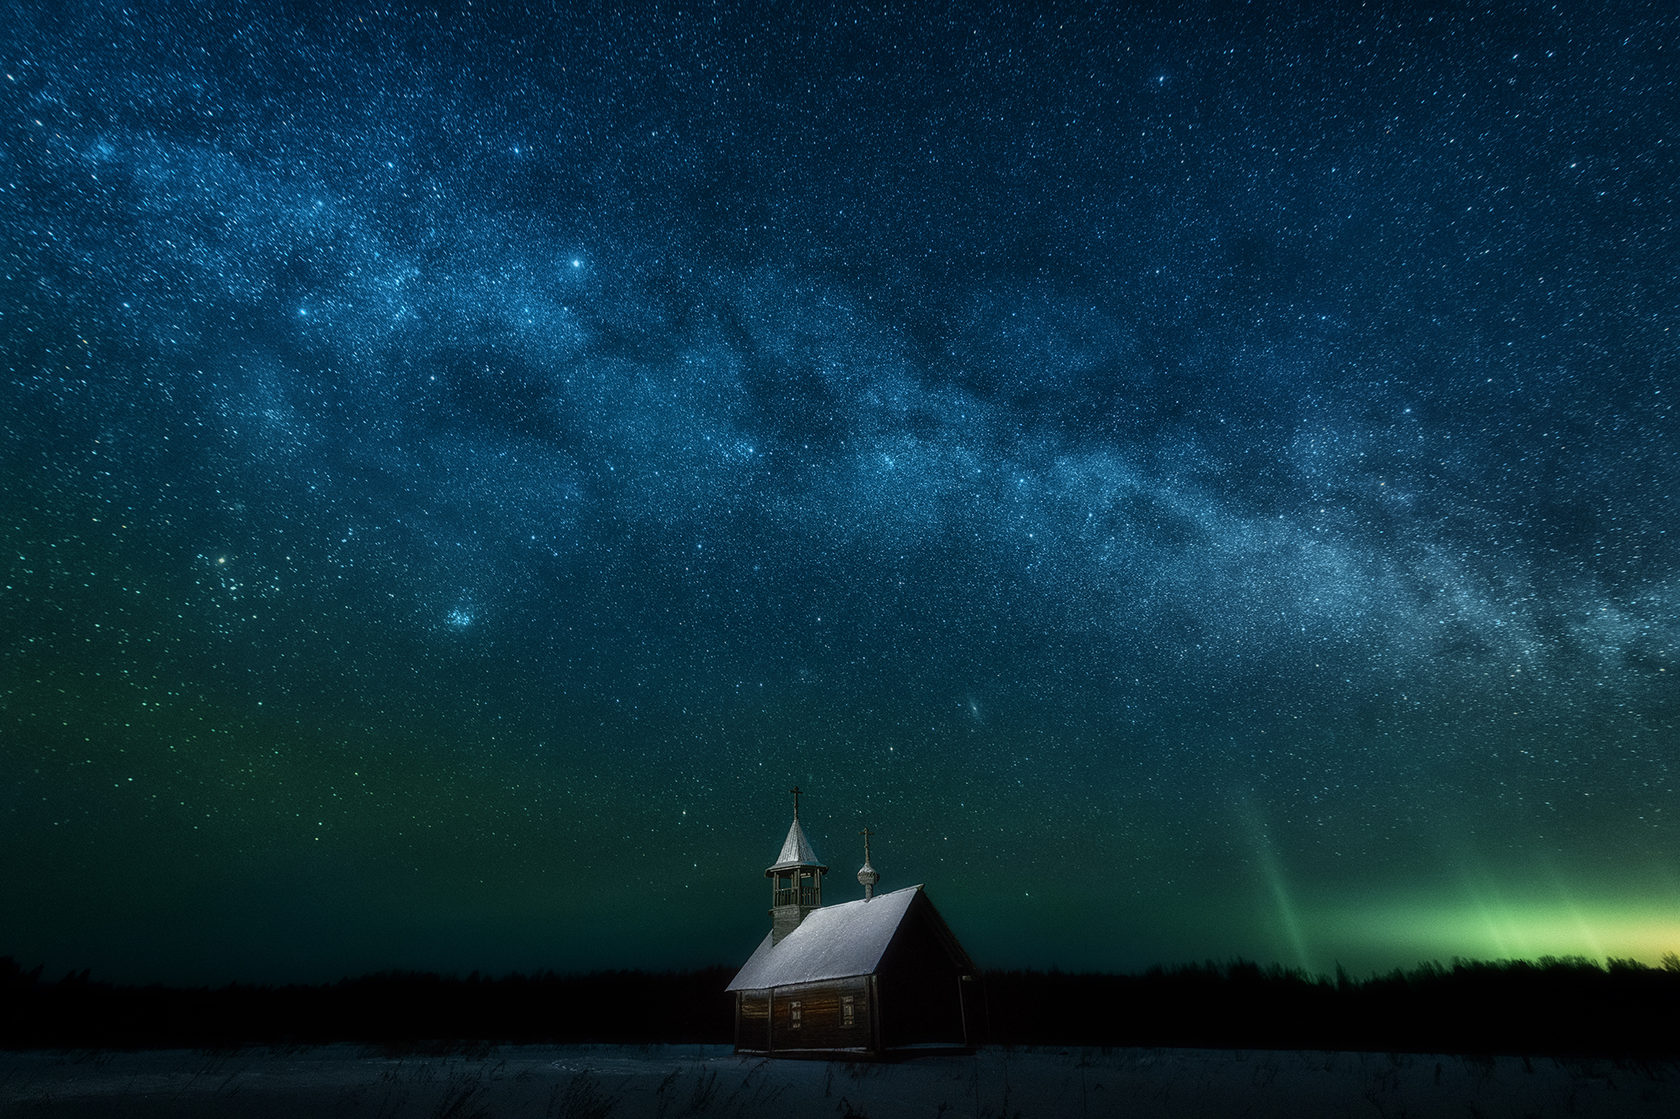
[867, 875]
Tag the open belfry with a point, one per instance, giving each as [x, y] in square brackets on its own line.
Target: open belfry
[879, 975]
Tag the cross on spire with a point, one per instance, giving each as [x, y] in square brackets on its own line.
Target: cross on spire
[867, 874]
[795, 791]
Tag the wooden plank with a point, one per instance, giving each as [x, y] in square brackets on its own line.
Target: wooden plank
[875, 1014]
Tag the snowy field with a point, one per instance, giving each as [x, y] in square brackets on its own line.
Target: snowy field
[674, 1082]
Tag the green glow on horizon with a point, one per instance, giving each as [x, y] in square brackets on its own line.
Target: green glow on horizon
[1490, 927]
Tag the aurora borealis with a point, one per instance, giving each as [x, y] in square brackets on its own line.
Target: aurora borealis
[1193, 483]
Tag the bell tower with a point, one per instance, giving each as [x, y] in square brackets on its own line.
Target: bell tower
[795, 879]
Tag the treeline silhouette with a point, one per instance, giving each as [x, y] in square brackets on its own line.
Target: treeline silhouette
[1553, 1006]
[388, 1008]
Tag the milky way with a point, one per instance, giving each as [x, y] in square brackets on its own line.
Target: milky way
[1193, 486]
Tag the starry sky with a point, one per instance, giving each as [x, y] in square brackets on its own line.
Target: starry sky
[1195, 481]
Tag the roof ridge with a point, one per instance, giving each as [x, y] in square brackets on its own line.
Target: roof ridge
[832, 942]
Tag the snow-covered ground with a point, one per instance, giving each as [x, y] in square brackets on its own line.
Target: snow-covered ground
[672, 1082]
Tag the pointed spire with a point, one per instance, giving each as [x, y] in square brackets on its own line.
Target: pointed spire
[796, 848]
[796, 851]
[867, 876]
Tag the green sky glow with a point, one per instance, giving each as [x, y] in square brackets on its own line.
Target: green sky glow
[1505, 925]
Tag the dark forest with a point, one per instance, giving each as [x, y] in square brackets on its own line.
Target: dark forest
[1552, 1006]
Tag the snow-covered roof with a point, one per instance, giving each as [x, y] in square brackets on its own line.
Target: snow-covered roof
[833, 942]
[796, 851]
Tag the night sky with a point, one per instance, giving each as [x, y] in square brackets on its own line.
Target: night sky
[1194, 485]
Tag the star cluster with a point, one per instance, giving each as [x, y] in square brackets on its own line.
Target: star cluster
[1194, 485]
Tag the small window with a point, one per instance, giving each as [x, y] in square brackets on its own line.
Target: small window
[794, 1012]
[847, 1013]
